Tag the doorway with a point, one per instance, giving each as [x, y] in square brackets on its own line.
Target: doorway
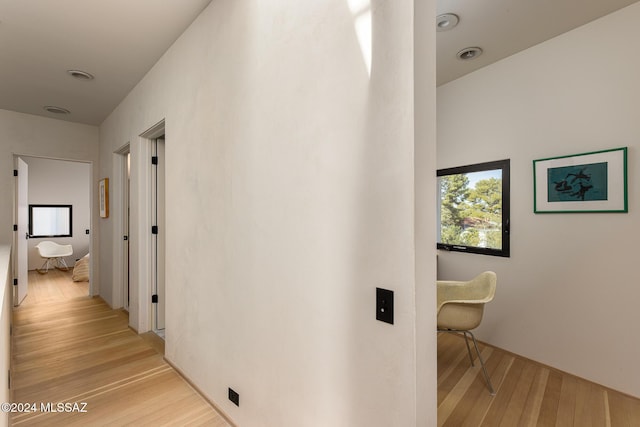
[158, 235]
[21, 172]
[147, 238]
[50, 183]
[122, 221]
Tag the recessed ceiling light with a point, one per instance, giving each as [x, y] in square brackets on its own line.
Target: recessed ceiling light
[56, 110]
[80, 75]
[446, 21]
[469, 53]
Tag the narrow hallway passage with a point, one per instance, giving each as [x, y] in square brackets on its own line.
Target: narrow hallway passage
[76, 361]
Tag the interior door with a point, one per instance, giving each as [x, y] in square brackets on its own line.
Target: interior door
[126, 218]
[160, 236]
[23, 231]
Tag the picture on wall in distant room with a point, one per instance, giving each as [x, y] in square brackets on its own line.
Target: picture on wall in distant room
[103, 188]
[589, 182]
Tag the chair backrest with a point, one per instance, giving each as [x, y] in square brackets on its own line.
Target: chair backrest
[483, 286]
[461, 304]
[49, 249]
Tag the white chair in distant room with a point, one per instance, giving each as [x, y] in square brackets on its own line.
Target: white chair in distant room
[53, 253]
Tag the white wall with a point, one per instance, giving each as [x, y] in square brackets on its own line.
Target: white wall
[28, 135]
[568, 295]
[290, 197]
[6, 283]
[67, 183]
[425, 213]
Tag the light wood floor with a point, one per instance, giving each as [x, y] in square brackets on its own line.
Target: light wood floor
[69, 348]
[528, 393]
[56, 285]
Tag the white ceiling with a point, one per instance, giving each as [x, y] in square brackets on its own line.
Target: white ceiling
[118, 41]
[504, 27]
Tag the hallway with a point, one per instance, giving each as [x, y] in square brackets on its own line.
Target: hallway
[76, 350]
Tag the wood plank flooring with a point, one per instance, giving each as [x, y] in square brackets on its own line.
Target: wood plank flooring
[528, 393]
[75, 349]
[56, 285]
[70, 348]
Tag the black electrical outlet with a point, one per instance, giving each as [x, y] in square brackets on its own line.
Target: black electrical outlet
[86, 231]
[234, 397]
[384, 305]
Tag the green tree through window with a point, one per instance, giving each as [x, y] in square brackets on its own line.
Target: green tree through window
[474, 208]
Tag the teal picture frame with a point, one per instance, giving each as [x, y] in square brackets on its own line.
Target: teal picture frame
[593, 182]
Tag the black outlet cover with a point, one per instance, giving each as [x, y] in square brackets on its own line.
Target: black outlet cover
[234, 397]
[384, 305]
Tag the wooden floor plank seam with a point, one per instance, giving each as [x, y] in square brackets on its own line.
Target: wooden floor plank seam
[532, 411]
[34, 312]
[119, 384]
[32, 348]
[519, 397]
[507, 363]
[76, 341]
[36, 318]
[102, 390]
[607, 413]
[450, 402]
[447, 372]
[53, 326]
[72, 339]
[63, 319]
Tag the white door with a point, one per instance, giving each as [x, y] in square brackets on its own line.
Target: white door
[23, 231]
[158, 204]
[126, 220]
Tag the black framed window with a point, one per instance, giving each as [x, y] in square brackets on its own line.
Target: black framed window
[50, 221]
[473, 208]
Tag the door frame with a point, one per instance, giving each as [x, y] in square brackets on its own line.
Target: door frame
[119, 207]
[93, 243]
[158, 241]
[18, 241]
[140, 242]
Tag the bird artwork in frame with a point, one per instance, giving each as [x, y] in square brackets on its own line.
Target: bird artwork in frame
[589, 182]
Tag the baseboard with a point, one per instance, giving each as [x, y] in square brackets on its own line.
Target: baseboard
[204, 396]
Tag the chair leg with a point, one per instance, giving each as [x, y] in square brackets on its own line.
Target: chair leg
[62, 264]
[466, 341]
[42, 269]
[484, 370]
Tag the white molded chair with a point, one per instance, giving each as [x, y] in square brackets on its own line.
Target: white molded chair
[460, 309]
[53, 252]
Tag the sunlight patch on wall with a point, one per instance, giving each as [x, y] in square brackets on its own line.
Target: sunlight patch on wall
[361, 11]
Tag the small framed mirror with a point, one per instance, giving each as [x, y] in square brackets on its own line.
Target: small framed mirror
[50, 221]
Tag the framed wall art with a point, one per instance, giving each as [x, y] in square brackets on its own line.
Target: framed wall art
[588, 182]
[103, 188]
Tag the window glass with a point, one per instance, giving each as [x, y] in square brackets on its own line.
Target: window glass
[473, 208]
[50, 220]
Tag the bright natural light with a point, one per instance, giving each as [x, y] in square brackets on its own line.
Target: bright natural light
[50, 220]
[361, 11]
